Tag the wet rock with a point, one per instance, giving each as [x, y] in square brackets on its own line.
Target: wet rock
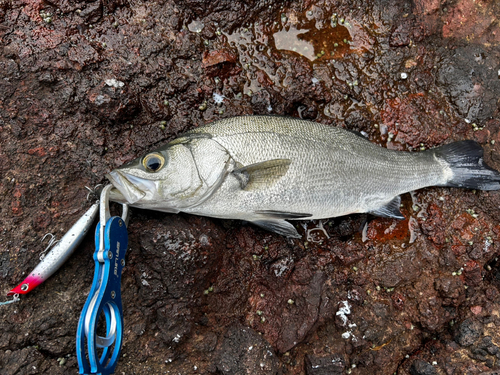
[408, 118]
[432, 313]
[468, 332]
[407, 32]
[397, 268]
[220, 63]
[24, 361]
[470, 81]
[307, 112]
[295, 307]
[235, 13]
[472, 273]
[243, 351]
[349, 226]
[9, 67]
[206, 343]
[113, 101]
[83, 54]
[41, 221]
[46, 78]
[92, 11]
[466, 19]
[347, 252]
[330, 365]
[268, 101]
[188, 280]
[451, 289]
[421, 367]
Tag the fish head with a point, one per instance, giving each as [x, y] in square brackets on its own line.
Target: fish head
[164, 179]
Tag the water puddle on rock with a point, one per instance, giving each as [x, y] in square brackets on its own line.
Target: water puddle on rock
[300, 34]
[315, 35]
[254, 54]
[196, 26]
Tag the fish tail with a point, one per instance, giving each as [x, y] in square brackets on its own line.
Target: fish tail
[467, 167]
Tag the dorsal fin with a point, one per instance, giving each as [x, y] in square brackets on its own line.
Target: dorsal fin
[188, 137]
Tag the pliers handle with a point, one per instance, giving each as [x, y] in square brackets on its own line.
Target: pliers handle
[99, 354]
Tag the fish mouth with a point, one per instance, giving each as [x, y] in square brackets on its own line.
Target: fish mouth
[132, 188]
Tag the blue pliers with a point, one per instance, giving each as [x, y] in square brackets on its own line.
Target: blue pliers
[99, 354]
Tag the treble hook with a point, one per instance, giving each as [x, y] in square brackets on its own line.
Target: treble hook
[93, 192]
[51, 243]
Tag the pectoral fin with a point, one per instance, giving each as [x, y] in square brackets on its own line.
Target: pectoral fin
[390, 209]
[278, 226]
[261, 175]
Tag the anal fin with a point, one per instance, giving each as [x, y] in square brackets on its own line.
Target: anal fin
[272, 214]
[278, 226]
[390, 210]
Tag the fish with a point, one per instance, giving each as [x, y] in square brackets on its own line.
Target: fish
[269, 170]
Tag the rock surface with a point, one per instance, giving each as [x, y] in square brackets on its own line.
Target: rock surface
[87, 86]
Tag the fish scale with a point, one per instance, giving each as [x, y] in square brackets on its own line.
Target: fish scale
[326, 168]
[265, 169]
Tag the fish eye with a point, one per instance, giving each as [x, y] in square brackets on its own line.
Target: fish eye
[153, 162]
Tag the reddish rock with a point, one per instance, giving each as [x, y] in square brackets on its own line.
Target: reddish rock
[472, 273]
[467, 19]
[113, 103]
[38, 151]
[88, 86]
[221, 63]
[407, 120]
[451, 288]
[476, 310]
[218, 57]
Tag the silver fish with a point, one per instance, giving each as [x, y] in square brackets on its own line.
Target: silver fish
[267, 169]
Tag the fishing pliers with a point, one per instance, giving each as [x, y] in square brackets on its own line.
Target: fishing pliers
[99, 354]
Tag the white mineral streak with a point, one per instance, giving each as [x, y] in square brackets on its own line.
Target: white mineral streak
[114, 83]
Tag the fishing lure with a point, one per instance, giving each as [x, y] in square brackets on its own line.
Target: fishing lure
[61, 251]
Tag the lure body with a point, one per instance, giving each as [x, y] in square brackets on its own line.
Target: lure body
[59, 253]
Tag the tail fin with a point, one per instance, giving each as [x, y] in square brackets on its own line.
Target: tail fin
[465, 159]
